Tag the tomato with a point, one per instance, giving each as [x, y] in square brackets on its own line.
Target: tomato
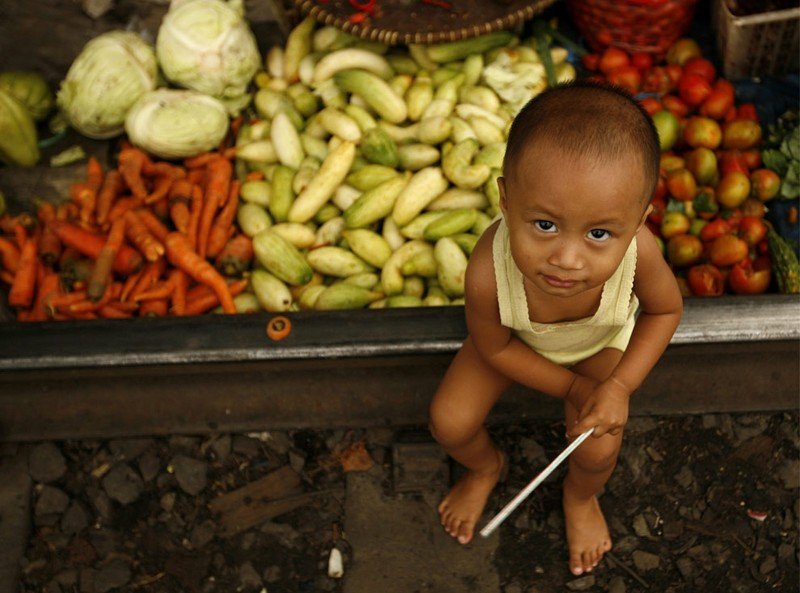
[684, 250]
[612, 59]
[694, 89]
[675, 105]
[727, 250]
[673, 224]
[733, 189]
[642, 60]
[741, 134]
[725, 86]
[752, 158]
[753, 207]
[752, 229]
[705, 280]
[730, 161]
[717, 104]
[627, 77]
[747, 111]
[590, 61]
[681, 184]
[700, 66]
[651, 105]
[674, 72]
[715, 228]
[702, 132]
[657, 81]
[749, 280]
[683, 50]
[661, 189]
[765, 184]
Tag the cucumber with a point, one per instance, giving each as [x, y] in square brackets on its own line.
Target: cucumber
[784, 263]
[281, 258]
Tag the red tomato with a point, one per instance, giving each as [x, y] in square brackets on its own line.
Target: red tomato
[752, 158]
[661, 189]
[752, 229]
[612, 59]
[730, 161]
[747, 111]
[674, 71]
[727, 250]
[715, 228]
[717, 105]
[657, 81]
[694, 89]
[731, 114]
[748, 280]
[705, 280]
[700, 66]
[627, 77]
[651, 105]
[643, 61]
[725, 86]
[675, 105]
[590, 61]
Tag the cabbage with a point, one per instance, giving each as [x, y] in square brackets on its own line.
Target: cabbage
[175, 124]
[110, 74]
[206, 45]
[30, 89]
[17, 133]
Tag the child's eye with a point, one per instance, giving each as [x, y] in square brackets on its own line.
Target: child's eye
[545, 226]
[599, 234]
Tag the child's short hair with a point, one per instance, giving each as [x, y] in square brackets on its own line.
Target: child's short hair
[587, 119]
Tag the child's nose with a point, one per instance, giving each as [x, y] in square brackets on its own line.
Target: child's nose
[567, 256]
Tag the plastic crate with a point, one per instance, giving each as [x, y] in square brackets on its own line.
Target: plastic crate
[757, 45]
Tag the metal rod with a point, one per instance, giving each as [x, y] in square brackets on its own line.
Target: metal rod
[525, 492]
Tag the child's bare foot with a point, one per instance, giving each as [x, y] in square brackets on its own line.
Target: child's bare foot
[587, 533]
[463, 505]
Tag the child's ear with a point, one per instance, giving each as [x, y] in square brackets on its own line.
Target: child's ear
[501, 186]
[647, 212]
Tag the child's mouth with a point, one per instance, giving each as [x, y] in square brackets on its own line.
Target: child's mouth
[559, 282]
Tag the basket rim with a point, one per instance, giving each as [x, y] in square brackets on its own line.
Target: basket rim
[391, 36]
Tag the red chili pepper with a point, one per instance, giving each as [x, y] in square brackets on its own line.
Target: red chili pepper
[367, 6]
[357, 18]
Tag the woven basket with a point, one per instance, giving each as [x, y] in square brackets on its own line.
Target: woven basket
[634, 25]
[415, 21]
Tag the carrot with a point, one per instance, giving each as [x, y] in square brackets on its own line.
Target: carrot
[20, 235]
[207, 300]
[9, 255]
[131, 162]
[112, 186]
[161, 209]
[221, 230]
[105, 260]
[201, 160]
[21, 293]
[128, 285]
[7, 277]
[49, 286]
[162, 290]
[154, 308]
[86, 198]
[179, 281]
[179, 214]
[194, 215]
[236, 256]
[196, 176]
[109, 312]
[82, 316]
[121, 206]
[64, 300]
[254, 176]
[219, 177]
[49, 246]
[67, 211]
[89, 244]
[181, 190]
[160, 189]
[180, 255]
[161, 168]
[45, 212]
[141, 238]
[126, 307]
[149, 276]
[153, 224]
[94, 174]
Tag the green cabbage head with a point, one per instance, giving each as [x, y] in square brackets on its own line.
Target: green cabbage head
[207, 46]
[30, 89]
[176, 124]
[105, 80]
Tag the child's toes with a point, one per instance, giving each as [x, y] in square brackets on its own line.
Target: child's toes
[575, 563]
[465, 532]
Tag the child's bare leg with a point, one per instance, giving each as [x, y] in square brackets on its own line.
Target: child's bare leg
[468, 391]
[590, 466]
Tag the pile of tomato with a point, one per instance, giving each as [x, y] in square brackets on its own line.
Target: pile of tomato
[709, 205]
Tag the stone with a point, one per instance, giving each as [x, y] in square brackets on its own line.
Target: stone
[113, 575]
[626, 545]
[710, 421]
[279, 442]
[129, 449]
[768, 565]
[245, 446]
[87, 580]
[248, 577]
[75, 520]
[46, 463]
[202, 534]
[51, 501]
[582, 583]
[645, 561]
[101, 503]
[532, 450]
[640, 425]
[272, 574]
[248, 540]
[184, 443]
[654, 454]
[673, 529]
[286, 535]
[785, 551]
[167, 501]
[123, 483]
[513, 588]
[149, 466]
[617, 585]
[789, 473]
[68, 577]
[297, 460]
[685, 478]
[222, 447]
[636, 459]
[685, 567]
[748, 426]
[640, 526]
[190, 474]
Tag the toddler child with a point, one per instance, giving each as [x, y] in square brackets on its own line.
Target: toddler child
[552, 292]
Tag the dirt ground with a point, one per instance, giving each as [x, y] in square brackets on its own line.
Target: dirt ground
[700, 503]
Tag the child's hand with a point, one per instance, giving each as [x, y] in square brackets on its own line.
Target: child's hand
[606, 409]
[580, 390]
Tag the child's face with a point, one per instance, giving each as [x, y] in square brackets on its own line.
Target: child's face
[571, 220]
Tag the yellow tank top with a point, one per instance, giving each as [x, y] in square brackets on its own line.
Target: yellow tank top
[567, 342]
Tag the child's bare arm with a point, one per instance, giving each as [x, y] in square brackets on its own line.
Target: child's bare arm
[495, 342]
[661, 307]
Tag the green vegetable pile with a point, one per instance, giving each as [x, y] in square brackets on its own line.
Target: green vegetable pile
[782, 153]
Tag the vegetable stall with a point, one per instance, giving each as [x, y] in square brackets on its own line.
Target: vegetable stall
[323, 192]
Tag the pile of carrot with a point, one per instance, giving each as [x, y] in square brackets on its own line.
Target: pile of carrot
[132, 241]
